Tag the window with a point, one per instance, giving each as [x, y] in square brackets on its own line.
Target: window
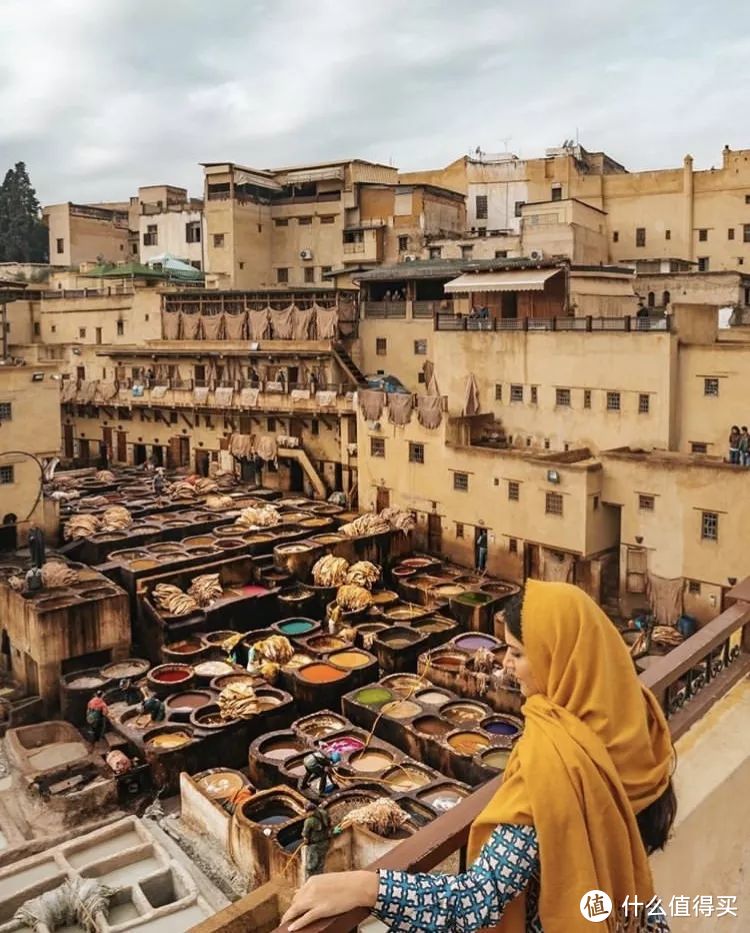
[710, 526]
[416, 453]
[403, 244]
[420, 348]
[711, 387]
[381, 346]
[193, 231]
[501, 254]
[82, 332]
[553, 503]
[514, 490]
[324, 270]
[640, 236]
[459, 530]
[516, 393]
[98, 335]
[420, 378]
[703, 235]
[377, 447]
[534, 394]
[461, 482]
[644, 403]
[615, 236]
[481, 206]
[328, 219]
[282, 276]
[595, 503]
[613, 401]
[703, 262]
[134, 249]
[271, 422]
[587, 398]
[309, 274]
[466, 250]
[218, 241]
[498, 392]
[747, 199]
[151, 236]
[6, 475]
[60, 245]
[315, 427]
[513, 545]
[37, 329]
[6, 411]
[730, 233]
[694, 587]
[556, 193]
[646, 503]
[698, 447]
[562, 397]
[173, 417]
[304, 221]
[667, 234]
[281, 222]
[241, 265]
[518, 207]
[199, 374]
[436, 252]
[746, 233]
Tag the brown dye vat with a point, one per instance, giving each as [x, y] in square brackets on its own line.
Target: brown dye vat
[424, 581]
[182, 650]
[323, 644]
[384, 598]
[165, 547]
[294, 767]
[292, 518]
[449, 660]
[221, 784]
[135, 721]
[463, 713]
[431, 725]
[181, 705]
[407, 777]
[209, 717]
[468, 578]
[468, 743]
[498, 589]
[229, 544]
[168, 738]
[320, 724]
[399, 637]
[199, 541]
[128, 554]
[331, 538]
[314, 522]
[228, 531]
[292, 548]
[143, 564]
[254, 537]
[417, 562]
[98, 592]
[371, 761]
[214, 639]
[281, 747]
[404, 685]
[404, 612]
[202, 551]
[176, 523]
[132, 668]
[401, 709]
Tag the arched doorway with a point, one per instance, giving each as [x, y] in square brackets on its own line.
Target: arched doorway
[9, 532]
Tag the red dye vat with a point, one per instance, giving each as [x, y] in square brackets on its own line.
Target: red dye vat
[170, 677]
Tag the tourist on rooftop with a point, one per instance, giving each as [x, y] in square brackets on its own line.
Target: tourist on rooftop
[744, 446]
[587, 796]
[734, 444]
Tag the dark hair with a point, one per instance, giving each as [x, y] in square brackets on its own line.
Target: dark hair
[744, 427]
[655, 822]
[736, 428]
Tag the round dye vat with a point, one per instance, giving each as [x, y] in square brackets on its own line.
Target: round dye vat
[227, 679]
[213, 669]
[350, 659]
[442, 800]
[433, 697]
[431, 725]
[450, 661]
[344, 744]
[171, 673]
[401, 613]
[221, 784]
[416, 562]
[144, 563]
[252, 589]
[326, 643]
[199, 541]
[406, 778]
[401, 709]
[218, 638]
[320, 673]
[130, 667]
[448, 590]
[169, 740]
[187, 702]
[496, 758]
[371, 761]
[295, 766]
[433, 625]
[267, 702]
[468, 743]
[85, 682]
[281, 749]
[317, 726]
[463, 713]
[499, 726]
[186, 646]
[475, 642]
[274, 814]
[404, 685]
[474, 599]
[298, 660]
[384, 598]
[296, 626]
[400, 572]
[373, 696]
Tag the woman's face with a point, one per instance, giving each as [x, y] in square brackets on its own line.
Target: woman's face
[517, 663]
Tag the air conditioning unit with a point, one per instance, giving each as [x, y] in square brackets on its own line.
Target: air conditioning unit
[373, 425]
[305, 254]
[410, 257]
[536, 255]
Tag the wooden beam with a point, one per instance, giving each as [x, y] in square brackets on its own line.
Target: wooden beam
[185, 418]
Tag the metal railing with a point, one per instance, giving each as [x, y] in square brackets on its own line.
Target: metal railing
[105, 292]
[627, 324]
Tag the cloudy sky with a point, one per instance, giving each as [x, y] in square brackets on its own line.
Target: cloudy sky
[100, 96]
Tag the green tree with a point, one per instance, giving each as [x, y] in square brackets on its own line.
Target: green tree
[23, 236]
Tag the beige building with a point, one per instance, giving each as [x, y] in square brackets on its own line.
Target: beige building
[81, 233]
[312, 226]
[170, 222]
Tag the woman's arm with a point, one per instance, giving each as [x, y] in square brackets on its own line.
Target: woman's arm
[424, 903]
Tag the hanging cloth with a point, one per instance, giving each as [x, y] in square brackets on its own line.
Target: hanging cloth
[212, 326]
[170, 325]
[235, 326]
[326, 320]
[189, 325]
[429, 410]
[665, 598]
[471, 396]
[371, 403]
[400, 407]
[301, 322]
[259, 323]
[249, 397]
[282, 321]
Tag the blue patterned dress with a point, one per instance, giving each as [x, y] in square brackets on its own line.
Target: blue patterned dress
[507, 865]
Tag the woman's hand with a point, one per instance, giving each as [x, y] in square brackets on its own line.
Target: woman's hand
[327, 895]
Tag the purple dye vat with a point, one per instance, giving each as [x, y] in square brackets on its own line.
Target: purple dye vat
[500, 728]
[344, 744]
[475, 642]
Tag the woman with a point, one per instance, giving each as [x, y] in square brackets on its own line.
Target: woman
[587, 794]
[734, 444]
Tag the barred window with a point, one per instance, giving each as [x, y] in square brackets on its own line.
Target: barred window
[709, 526]
[516, 393]
[562, 397]
[514, 490]
[416, 453]
[461, 482]
[554, 503]
[646, 503]
[711, 387]
[644, 404]
[613, 401]
[377, 447]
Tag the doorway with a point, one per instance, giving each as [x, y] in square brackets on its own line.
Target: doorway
[509, 307]
[531, 562]
[382, 499]
[201, 462]
[84, 452]
[296, 477]
[122, 447]
[68, 449]
[434, 533]
[139, 454]
[157, 454]
[9, 533]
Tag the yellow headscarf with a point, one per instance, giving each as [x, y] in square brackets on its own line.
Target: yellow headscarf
[596, 750]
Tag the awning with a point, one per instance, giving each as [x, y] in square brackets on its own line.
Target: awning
[513, 280]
